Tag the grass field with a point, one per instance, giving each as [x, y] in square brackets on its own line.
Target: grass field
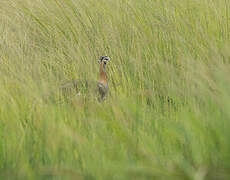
[167, 114]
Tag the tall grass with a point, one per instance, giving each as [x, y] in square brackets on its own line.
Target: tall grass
[167, 112]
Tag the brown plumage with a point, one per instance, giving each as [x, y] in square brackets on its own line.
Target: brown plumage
[101, 86]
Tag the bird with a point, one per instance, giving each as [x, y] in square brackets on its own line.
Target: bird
[101, 85]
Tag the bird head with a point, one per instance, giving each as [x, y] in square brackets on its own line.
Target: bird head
[104, 60]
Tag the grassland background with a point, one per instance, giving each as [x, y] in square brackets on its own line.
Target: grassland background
[160, 49]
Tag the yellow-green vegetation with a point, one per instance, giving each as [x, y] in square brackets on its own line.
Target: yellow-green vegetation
[167, 114]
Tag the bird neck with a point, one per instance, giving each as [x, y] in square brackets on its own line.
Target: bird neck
[102, 74]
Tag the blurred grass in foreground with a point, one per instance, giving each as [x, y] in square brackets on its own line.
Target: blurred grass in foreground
[167, 114]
